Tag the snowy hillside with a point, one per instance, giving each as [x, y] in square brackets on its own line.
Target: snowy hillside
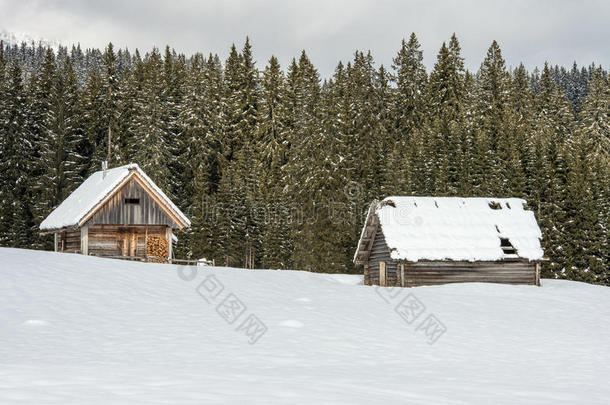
[77, 330]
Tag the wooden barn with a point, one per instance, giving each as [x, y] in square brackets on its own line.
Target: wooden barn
[117, 212]
[413, 241]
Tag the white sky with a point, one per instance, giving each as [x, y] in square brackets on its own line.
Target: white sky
[531, 32]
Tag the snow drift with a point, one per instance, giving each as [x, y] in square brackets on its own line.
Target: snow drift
[76, 329]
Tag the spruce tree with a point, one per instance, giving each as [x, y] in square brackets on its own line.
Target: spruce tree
[441, 136]
[60, 162]
[491, 111]
[588, 189]
[276, 244]
[272, 124]
[110, 98]
[17, 220]
[519, 123]
[149, 127]
[232, 112]
[172, 94]
[200, 160]
[411, 80]
[595, 113]
[132, 79]
[306, 142]
[95, 124]
[547, 173]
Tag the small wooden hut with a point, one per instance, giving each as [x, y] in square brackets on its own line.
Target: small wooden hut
[413, 241]
[118, 212]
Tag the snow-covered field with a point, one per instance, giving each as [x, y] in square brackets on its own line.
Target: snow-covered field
[83, 330]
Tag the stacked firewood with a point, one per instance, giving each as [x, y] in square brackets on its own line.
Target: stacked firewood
[157, 247]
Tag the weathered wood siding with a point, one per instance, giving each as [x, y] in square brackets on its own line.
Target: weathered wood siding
[381, 253]
[69, 241]
[104, 241]
[512, 271]
[107, 240]
[116, 211]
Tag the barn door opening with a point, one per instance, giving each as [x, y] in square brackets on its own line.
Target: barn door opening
[382, 274]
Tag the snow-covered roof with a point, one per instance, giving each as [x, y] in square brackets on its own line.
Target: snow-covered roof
[93, 191]
[454, 228]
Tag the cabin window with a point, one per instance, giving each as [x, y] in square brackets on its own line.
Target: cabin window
[132, 201]
[507, 247]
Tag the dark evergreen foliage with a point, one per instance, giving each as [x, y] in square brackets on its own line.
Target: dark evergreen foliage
[276, 168]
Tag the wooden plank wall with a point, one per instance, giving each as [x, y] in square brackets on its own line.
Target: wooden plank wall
[69, 241]
[106, 240]
[116, 211]
[379, 253]
[443, 272]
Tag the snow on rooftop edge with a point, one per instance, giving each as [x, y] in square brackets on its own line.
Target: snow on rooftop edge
[456, 228]
[91, 192]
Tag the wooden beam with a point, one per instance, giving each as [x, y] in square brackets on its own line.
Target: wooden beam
[368, 234]
[382, 274]
[56, 230]
[168, 235]
[84, 240]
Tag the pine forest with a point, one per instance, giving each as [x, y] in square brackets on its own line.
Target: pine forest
[276, 166]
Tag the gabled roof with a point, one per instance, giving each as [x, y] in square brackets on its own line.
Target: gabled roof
[89, 196]
[451, 228]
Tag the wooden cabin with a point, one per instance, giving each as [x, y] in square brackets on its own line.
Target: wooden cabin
[414, 241]
[118, 212]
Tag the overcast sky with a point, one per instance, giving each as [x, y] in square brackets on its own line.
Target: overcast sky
[531, 32]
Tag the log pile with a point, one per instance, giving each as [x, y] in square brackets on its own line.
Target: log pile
[157, 247]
